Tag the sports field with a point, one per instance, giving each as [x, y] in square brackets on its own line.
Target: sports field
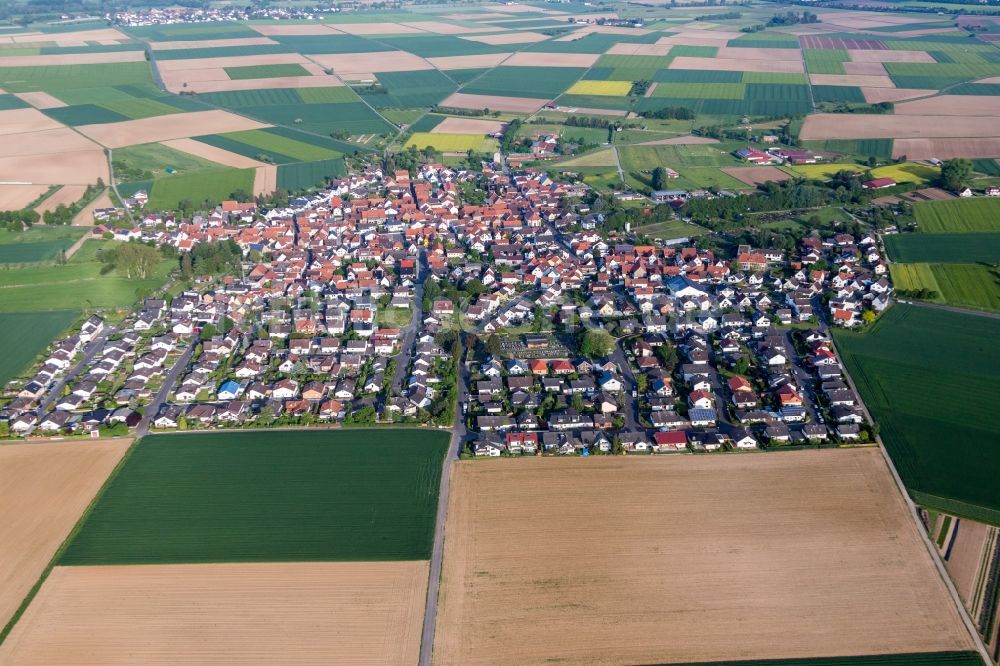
[24, 335]
[826, 544]
[927, 376]
[268, 497]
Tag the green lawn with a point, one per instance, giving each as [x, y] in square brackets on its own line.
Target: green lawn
[72, 286]
[928, 376]
[23, 335]
[213, 185]
[268, 497]
[39, 243]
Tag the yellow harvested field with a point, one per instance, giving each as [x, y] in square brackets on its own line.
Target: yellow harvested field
[469, 61]
[508, 38]
[164, 128]
[953, 105]
[865, 69]
[885, 55]
[876, 95]
[468, 126]
[213, 154]
[851, 80]
[295, 614]
[448, 143]
[21, 121]
[346, 64]
[16, 197]
[65, 195]
[44, 489]
[41, 100]
[528, 59]
[609, 88]
[494, 102]
[210, 43]
[734, 65]
[726, 554]
[946, 149]
[875, 126]
[71, 59]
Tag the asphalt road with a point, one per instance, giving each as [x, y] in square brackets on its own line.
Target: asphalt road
[458, 435]
[631, 409]
[153, 408]
[410, 332]
[88, 355]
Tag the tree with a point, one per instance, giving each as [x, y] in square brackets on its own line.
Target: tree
[134, 260]
[956, 174]
[493, 345]
[868, 316]
[577, 402]
[659, 178]
[667, 355]
[538, 319]
[596, 343]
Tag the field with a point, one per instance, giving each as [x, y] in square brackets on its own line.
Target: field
[944, 248]
[927, 376]
[25, 335]
[256, 497]
[265, 71]
[248, 614]
[611, 88]
[72, 286]
[826, 543]
[912, 277]
[38, 243]
[450, 143]
[47, 486]
[210, 185]
[958, 215]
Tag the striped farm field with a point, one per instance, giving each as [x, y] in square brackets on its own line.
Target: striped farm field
[913, 277]
[266, 71]
[950, 248]
[958, 215]
[700, 90]
[448, 143]
[609, 88]
[268, 497]
[299, 150]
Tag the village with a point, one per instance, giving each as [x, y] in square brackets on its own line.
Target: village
[385, 299]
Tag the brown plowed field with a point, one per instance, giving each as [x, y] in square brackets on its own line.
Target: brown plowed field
[213, 154]
[85, 218]
[265, 180]
[966, 556]
[278, 30]
[345, 64]
[528, 59]
[946, 149]
[687, 559]
[953, 105]
[294, 614]
[22, 121]
[41, 100]
[757, 175]
[890, 56]
[874, 126]
[16, 197]
[226, 85]
[640, 49]
[468, 126]
[469, 61]
[734, 65]
[164, 128]
[65, 195]
[851, 80]
[82, 167]
[817, 42]
[44, 489]
[876, 95]
[866, 69]
[377, 29]
[508, 38]
[71, 59]
[210, 43]
[494, 102]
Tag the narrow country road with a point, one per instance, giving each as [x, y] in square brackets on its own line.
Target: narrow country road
[458, 434]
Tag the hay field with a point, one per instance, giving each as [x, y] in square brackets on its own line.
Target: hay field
[724, 557]
[164, 128]
[44, 488]
[240, 614]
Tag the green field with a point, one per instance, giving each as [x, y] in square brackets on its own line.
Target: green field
[39, 243]
[55, 78]
[266, 71]
[213, 186]
[304, 175]
[928, 376]
[825, 61]
[25, 335]
[409, 90]
[701, 90]
[944, 248]
[72, 286]
[913, 277]
[155, 158]
[268, 497]
[540, 82]
[958, 215]
[268, 141]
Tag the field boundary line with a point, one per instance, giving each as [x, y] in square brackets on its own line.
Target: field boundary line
[33, 592]
[932, 550]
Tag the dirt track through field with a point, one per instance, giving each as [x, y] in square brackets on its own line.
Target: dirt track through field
[44, 489]
[294, 614]
[693, 558]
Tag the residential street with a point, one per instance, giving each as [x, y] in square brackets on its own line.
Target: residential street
[631, 408]
[89, 352]
[153, 408]
[410, 332]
